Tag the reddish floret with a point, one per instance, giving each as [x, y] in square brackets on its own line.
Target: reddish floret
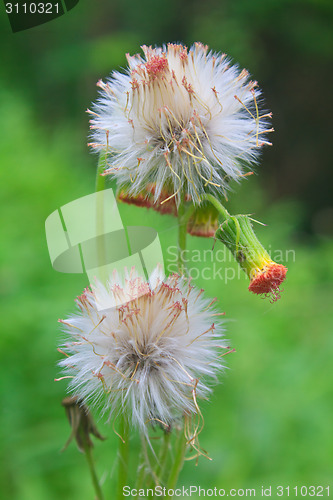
[268, 281]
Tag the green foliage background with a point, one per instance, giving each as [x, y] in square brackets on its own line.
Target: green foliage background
[270, 420]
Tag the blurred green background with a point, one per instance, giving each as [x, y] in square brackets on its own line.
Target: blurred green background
[270, 421]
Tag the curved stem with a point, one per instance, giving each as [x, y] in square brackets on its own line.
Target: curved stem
[218, 205]
[91, 464]
[123, 456]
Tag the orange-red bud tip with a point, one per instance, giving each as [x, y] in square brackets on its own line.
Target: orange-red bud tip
[268, 281]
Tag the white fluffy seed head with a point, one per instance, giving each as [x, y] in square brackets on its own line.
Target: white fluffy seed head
[188, 121]
[146, 348]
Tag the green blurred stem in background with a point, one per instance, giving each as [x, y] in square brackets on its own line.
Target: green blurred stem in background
[100, 216]
[178, 462]
[164, 454]
[181, 235]
[100, 179]
[91, 464]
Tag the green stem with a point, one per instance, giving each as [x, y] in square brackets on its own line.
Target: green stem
[163, 458]
[177, 464]
[152, 479]
[157, 477]
[91, 464]
[123, 455]
[141, 472]
[100, 179]
[218, 205]
[100, 216]
[182, 226]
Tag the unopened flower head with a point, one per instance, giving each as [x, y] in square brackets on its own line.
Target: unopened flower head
[266, 276]
[266, 279]
[186, 120]
[203, 222]
[149, 352]
[165, 204]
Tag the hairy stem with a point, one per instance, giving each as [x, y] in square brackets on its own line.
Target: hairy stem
[164, 455]
[178, 463]
[141, 472]
[157, 477]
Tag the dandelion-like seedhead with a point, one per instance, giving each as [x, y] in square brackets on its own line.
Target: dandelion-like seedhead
[146, 348]
[186, 120]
